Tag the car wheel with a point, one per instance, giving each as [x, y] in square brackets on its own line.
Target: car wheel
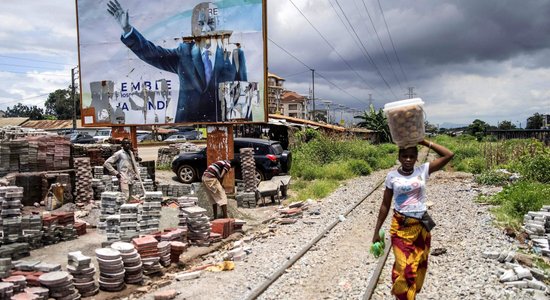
[259, 176]
[187, 174]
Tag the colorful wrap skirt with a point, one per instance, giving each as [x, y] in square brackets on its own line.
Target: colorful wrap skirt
[411, 246]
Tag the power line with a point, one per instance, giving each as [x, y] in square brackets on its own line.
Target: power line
[24, 99]
[27, 73]
[291, 75]
[309, 69]
[380, 41]
[391, 39]
[365, 50]
[37, 60]
[34, 67]
[331, 46]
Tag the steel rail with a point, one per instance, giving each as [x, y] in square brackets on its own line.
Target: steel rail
[256, 292]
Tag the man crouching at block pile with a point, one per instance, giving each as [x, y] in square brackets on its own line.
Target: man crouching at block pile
[211, 179]
[125, 168]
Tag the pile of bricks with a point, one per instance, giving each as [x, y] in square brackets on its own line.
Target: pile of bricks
[84, 192]
[165, 155]
[147, 247]
[10, 198]
[6, 290]
[15, 251]
[33, 154]
[173, 234]
[537, 226]
[38, 293]
[174, 190]
[198, 225]
[111, 270]
[19, 283]
[5, 267]
[248, 166]
[132, 262]
[176, 249]
[97, 153]
[246, 199]
[112, 228]
[60, 285]
[224, 227]
[164, 253]
[130, 215]
[110, 205]
[184, 202]
[150, 218]
[83, 271]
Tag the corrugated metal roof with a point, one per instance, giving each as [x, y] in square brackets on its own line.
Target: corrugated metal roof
[51, 124]
[12, 121]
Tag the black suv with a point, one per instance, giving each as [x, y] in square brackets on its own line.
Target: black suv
[269, 156]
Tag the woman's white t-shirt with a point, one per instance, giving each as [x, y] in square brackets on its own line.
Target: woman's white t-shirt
[409, 192]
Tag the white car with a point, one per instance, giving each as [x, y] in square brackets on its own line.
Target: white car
[176, 138]
[101, 136]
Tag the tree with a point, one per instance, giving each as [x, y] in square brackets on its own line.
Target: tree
[376, 121]
[430, 128]
[60, 104]
[534, 121]
[20, 110]
[506, 125]
[477, 129]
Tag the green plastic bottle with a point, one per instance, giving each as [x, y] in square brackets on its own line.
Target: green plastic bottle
[378, 248]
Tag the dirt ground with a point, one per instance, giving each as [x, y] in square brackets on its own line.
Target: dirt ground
[93, 240]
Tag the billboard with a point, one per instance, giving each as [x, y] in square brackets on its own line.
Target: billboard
[171, 61]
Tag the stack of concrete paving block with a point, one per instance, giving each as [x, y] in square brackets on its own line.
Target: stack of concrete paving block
[83, 271]
[5, 267]
[6, 290]
[110, 205]
[60, 285]
[111, 270]
[184, 202]
[150, 217]
[37, 293]
[98, 172]
[19, 282]
[84, 192]
[149, 185]
[130, 215]
[198, 225]
[15, 251]
[246, 199]
[132, 262]
[164, 253]
[98, 187]
[176, 249]
[51, 231]
[537, 226]
[176, 234]
[46, 267]
[11, 213]
[174, 190]
[112, 230]
[31, 226]
[248, 167]
[147, 247]
[108, 183]
[66, 221]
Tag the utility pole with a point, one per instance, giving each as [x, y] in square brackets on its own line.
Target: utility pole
[73, 95]
[411, 93]
[313, 91]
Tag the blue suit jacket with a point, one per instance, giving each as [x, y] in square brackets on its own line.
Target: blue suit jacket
[197, 101]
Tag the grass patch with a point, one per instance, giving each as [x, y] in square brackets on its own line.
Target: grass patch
[517, 199]
[315, 189]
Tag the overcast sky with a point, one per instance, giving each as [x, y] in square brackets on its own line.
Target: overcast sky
[467, 60]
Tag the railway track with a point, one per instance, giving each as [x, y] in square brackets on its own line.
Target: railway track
[344, 243]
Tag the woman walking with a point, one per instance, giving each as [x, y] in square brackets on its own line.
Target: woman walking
[411, 224]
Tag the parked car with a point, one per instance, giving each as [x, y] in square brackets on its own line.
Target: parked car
[81, 138]
[269, 156]
[189, 132]
[102, 136]
[147, 137]
[176, 138]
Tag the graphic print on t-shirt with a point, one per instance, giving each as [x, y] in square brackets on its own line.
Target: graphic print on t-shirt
[408, 192]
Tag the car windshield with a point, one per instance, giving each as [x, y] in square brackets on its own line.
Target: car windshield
[278, 148]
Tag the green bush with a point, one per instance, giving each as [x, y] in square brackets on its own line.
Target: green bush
[492, 177]
[522, 197]
[536, 168]
[474, 165]
[359, 167]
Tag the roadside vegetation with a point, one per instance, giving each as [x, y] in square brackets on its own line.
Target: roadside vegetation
[321, 162]
[495, 162]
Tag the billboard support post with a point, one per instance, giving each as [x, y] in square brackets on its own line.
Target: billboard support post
[73, 96]
[219, 145]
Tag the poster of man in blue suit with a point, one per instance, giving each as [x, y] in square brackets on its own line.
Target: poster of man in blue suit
[170, 61]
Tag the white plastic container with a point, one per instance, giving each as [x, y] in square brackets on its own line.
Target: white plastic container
[406, 121]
